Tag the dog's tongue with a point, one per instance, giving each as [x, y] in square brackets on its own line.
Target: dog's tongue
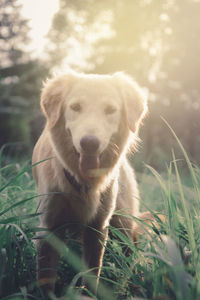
[88, 164]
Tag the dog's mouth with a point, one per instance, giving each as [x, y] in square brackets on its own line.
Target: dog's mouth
[89, 166]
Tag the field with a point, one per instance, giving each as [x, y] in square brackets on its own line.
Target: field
[157, 44]
[164, 265]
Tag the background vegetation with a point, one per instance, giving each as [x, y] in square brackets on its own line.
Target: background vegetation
[156, 42]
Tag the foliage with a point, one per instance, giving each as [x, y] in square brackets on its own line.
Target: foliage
[164, 265]
[17, 222]
[154, 41]
[13, 33]
[20, 77]
[157, 42]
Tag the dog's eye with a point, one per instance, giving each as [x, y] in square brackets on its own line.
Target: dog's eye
[76, 107]
[109, 110]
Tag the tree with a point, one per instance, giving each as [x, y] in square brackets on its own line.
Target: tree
[76, 28]
[13, 34]
[20, 77]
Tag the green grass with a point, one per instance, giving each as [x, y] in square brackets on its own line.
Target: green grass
[166, 262]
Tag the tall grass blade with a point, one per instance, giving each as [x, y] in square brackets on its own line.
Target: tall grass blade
[190, 166]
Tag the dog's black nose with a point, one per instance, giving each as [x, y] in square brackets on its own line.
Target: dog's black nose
[89, 144]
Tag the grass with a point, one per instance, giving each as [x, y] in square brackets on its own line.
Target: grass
[164, 265]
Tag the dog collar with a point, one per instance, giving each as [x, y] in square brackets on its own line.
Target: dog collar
[76, 185]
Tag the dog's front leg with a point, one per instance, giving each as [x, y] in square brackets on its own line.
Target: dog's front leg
[47, 261]
[94, 244]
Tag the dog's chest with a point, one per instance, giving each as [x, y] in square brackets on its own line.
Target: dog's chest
[84, 199]
[88, 205]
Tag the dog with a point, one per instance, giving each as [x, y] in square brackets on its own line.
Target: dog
[92, 122]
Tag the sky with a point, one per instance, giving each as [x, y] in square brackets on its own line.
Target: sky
[39, 13]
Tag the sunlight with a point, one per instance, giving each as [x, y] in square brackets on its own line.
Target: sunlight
[40, 14]
[78, 53]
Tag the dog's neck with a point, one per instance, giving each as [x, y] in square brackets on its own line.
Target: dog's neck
[74, 183]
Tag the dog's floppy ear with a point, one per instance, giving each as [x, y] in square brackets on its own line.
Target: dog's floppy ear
[134, 98]
[53, 95]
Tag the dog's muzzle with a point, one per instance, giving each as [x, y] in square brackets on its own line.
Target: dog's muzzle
[89, 157]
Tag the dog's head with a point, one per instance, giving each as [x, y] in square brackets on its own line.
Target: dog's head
[94, 108]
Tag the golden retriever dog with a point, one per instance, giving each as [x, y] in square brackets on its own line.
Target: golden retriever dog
[92, 122]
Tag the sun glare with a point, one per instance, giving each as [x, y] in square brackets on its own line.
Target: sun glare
[39, 13]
